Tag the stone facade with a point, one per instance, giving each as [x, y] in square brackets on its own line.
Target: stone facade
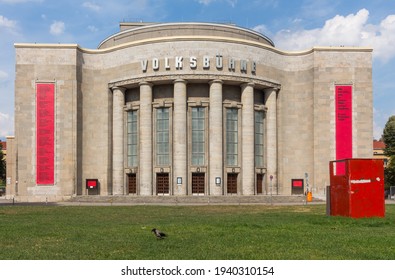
[229, 73]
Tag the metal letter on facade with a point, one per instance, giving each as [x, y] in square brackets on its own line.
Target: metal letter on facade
[231, 64]
[193, 62]
[178, 62]
[206, 62]
[155, 64]
[218, 61]
[144, 64]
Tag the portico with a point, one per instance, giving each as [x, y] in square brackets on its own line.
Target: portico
[207, 143]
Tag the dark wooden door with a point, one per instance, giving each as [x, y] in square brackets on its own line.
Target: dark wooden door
[259, 183]
[132, 183]
[232, 183]
[162, 183]
[198, 183]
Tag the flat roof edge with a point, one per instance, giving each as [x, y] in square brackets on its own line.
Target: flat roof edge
[46, 45]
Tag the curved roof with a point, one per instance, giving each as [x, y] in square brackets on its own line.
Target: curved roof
[131, 32]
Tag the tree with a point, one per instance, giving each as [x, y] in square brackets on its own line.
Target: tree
[2, 165]
[389, 137]
[389, 140]
[389, 173]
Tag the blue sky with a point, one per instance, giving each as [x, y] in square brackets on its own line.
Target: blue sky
[292, 25]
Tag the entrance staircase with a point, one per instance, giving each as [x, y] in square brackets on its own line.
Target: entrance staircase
[191, 200]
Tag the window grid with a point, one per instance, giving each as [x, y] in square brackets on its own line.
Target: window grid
[232, 136]
[162, 136]
[198, 135]
[259, 138]
[132, 140]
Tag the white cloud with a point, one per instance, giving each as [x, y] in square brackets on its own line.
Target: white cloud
[4, 116]
[3, 75]
[93, 28]
[350, 30]
[377, 129]
[261, 29]
[384, 38]
[7, 23]
[57, 28]
[6, 125]
[208, 2]
[91, 6]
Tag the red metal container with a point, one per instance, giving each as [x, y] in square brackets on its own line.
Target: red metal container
[357, 188]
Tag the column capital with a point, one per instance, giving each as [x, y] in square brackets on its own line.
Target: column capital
[122, 89]
[271, 89]
[217, 81]
[248, 84]
[180, 81]
[146, 84]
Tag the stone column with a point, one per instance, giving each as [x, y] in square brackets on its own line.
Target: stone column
[117, 141]
[247, 139]
[145, 123]
[180, 137]
[215, 138]
[271, 138]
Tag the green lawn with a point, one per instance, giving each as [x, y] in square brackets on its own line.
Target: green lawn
[194, 232]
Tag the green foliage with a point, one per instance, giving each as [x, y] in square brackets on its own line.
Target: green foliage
[389, 140]
[389, 137]
[389, 173]
[194, 232]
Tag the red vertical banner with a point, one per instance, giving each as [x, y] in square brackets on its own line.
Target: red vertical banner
[45, 134]
[343, 125]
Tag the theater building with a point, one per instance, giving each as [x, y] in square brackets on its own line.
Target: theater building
[184, 109]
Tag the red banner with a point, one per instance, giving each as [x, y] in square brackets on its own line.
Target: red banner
[45, 133]
[343, 125]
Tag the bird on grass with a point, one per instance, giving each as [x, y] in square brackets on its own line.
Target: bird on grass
[159, 234]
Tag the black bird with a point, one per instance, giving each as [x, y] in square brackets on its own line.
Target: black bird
[158, 234]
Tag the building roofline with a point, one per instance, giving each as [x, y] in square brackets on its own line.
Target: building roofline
[192, 38]
[148, 26]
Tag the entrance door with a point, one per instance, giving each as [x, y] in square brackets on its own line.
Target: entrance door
[232, 183]
[198, 183]
[132, 183]
[259, 183]
[162, 183]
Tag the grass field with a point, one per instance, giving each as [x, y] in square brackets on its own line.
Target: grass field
[194, 232]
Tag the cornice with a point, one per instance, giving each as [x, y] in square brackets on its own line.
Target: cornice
[194, 39]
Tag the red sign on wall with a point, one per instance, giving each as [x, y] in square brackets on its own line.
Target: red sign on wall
[297, 183]
[343, 124]
[45, 134]
[297, 186]
[92, 183]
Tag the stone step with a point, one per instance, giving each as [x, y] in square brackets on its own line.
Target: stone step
[173, 200]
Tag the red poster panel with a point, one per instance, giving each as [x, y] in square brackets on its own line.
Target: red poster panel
[297, 186]
[343, 124]
[45, 133]
[297, 183]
